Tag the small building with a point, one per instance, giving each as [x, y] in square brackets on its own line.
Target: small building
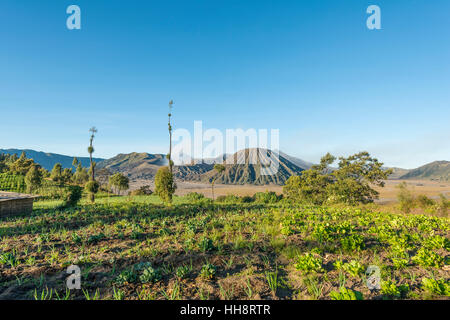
[15, 203]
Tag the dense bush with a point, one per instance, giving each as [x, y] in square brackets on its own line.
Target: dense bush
[405, 198]
[72, 196]
[92, 188]
[267, 197]
[142, 191]
[228, 199]
[164, 184]
[195, 197]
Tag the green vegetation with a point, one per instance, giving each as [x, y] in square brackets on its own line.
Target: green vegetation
[119, 182]
[351, 183]
[164, 184]
[316, 241]
[408, 202]
[92, 187]
[12, 182]
[138, 248]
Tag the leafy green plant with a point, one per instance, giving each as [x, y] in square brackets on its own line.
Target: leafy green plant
[182, 272]
[309, 263]
[388, 288]
[439, 287]
[96, 238]
[126, 276]
[346, 294]
[208, 271]
[118, 294]
[353, 242]
[9, 258]
[353, 268]
[150, 274]
[206, 244]
[428, 258]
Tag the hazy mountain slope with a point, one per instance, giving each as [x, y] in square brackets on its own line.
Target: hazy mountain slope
[438, 170]
[397, 173]
[135, 165]
[48, 160]
[298, 162]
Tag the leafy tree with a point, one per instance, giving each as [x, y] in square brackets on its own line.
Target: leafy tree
[56, 174]
[311, 186]
[75, 162]
[92, 188]
[164, 184]
[350, 183]
[21, 165]
[119, 182]
[3, 163]
[354, 178]
[33, 178]
[72, 196]
[66, 176]
[219, 168]
[81, 175]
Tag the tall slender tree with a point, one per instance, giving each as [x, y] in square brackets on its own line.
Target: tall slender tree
[75, 162]
[169, 156]
[91, 150]
[92, 186]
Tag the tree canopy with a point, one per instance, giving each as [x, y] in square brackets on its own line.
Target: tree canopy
[351, 182]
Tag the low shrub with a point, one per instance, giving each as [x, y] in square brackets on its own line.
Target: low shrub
[72, 195]
[142, 191]
[267, 197]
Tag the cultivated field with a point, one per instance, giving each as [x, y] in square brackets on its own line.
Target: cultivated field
[136, 248]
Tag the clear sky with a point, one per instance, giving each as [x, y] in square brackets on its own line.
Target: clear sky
[309, 68]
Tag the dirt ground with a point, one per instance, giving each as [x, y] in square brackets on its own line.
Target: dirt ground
[388, 194]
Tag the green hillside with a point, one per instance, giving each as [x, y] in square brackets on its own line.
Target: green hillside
[438, 170]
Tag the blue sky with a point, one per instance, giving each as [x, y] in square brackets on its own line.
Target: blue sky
[309, 68]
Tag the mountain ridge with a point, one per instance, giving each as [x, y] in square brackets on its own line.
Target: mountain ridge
[145, 165]
[436, 170]
[47, 160]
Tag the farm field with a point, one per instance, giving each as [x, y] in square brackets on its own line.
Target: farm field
[137, 248]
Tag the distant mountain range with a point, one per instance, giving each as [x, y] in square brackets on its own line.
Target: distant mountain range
[438, 170]
[48, 160]
[245, 169]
